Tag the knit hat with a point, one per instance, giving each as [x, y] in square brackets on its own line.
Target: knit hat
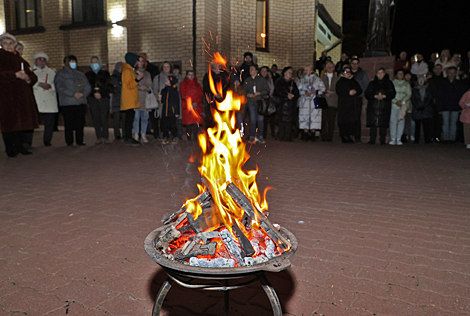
[8, 35]
[41, 55]
[131, 59]
[248, 54]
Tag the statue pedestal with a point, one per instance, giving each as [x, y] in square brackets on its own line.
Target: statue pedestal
[376, 54]
[371, 64]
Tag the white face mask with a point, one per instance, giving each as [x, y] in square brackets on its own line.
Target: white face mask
[73, 65]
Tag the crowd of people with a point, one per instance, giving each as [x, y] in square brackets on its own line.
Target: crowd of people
[144, 99]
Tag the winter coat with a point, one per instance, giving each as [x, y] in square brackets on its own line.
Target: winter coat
[46, 100]
[286, 108]
[100, 82]
[309, 115]
[378, 111]
[68, 82]
[158, 85]
[465, 105]
[363, 79]
[244, 70]
[419, 68]
[261, 87]
[403, 93]
[116, 78]
[17, 106]
[402, 64]
[191, 89]
[347, 104]
[449, 94]
[332, 100]
[130, 92]
[422, 108]
[146, 81]
[171, 99]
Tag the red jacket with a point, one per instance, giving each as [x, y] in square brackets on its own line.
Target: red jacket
[191, 89]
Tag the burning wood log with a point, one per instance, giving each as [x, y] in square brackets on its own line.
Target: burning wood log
[244, 242]
[203, 199]
[232, 246]
[166, 237]
[196, 249]
[240, 198]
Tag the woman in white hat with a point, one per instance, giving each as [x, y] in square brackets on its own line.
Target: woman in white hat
[17, 106]
[45, 94]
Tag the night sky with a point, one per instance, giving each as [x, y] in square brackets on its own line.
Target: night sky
[424, 26]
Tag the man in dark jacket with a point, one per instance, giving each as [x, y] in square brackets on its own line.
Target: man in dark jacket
[244, 70]
[448, 97]
[151, 68]
[363, 79]
[379, 94]
[434, 83]
[256, 87]
[73, 89]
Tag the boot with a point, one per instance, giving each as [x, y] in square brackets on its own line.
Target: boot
[136, 137]
[143, 138]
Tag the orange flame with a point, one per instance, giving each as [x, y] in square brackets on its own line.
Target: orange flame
[190, 109]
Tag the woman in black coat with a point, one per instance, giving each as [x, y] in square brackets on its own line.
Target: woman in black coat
[422, 110]
[379, 94]
[288, 93]
[348, 91]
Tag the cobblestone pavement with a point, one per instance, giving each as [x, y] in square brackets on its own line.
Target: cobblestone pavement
[382, 230]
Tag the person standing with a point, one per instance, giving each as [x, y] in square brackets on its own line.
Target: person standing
[130, 96]
[399, 107]
[191, 103]
[420, 67]
[448, 97]
[288, 93]
[17, 106]
[422, 110]
[348, 91]
[256, 88]
[73, 88]
[402, 62]
[141, 117]
[275, 74]
[269, 120]
[435, 82]
[98, 100]
[343, 62]
[244, 70]
[329, 114]
[116, 78]
[151, 68]
[171, 107]
[465, 117]
[363, 79]
[379, 94]
[45, 94]
[310, 87]
[220, 77]
[158, 85]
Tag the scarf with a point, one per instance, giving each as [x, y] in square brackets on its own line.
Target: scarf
[422, 91]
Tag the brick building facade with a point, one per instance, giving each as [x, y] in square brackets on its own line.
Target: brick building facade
[165, 30]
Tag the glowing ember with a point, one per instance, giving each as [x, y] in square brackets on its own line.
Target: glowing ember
[227, 216]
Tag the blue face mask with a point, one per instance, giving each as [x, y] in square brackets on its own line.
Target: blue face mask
[95, 67]
[73, 65]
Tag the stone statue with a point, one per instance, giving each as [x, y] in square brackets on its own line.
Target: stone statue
[378, 32]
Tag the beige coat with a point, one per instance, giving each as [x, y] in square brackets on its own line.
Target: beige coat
[333, 99]
[46, 100]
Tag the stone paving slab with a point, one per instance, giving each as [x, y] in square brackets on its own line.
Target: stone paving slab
[382, 230]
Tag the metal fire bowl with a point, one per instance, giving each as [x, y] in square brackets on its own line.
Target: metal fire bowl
[276, 264]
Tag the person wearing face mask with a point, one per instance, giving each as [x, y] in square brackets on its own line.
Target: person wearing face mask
[98, 100]
[45, 94]
[73, 88]
[17, 106]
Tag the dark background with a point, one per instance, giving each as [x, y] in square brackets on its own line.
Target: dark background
[423, 26]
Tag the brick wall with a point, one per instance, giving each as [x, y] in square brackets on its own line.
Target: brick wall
[2, 17]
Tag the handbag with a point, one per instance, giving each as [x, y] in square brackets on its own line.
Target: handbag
[151, 102]
[263, 106]
[320, 102]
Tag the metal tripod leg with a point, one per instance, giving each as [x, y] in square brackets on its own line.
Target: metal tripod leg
[272, 296]
[160, 297]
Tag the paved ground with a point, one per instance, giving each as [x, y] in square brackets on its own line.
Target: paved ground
[382, 230]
